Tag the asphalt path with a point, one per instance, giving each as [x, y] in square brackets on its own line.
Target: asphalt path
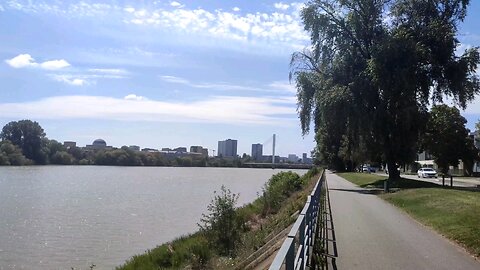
[372, 234]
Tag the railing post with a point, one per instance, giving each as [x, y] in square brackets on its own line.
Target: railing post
[290, 258]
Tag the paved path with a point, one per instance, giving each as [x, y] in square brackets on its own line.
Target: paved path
[372, 234]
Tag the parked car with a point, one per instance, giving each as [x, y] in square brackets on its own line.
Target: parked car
[426, 172]
[364, 168]
[368, 168]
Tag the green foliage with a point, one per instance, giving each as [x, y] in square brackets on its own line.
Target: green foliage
[447, 138]
[29, 137]
[192, 250]
[222, 225]
[368, 80]
[278, 188]
[62, 158]
[11, 154]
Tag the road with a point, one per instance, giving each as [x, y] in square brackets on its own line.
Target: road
[372, 234]
[457, 181]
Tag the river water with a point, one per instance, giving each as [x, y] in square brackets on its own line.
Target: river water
[59, 217]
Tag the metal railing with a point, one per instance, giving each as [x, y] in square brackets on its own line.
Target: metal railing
[297, 251]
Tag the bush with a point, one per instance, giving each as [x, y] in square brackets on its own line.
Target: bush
[200, 254]
[278, 188]
[163, 256]
[61, 158]
[222, 226]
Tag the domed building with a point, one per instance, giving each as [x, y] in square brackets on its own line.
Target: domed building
[98, 144]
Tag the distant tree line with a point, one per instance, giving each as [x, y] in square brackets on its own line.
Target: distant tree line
[24, 142]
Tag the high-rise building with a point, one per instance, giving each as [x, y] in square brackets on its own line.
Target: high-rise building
[293, 158]
[69, 144]
[180, 149]
[199, 149]
[134, 147]
[257, 151]
[227, 148]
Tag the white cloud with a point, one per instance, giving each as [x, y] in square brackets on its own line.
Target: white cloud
[219, 109]
[129, 9]
[134, 97]
[21, 60]
[281, 6]
[90, 77]
[282, 27]
[54, 64]
[110, 71]
[176, 4]
[26, 60]
[277, 86]
[68, 79]
[173, 79]
[283, 85]
[279, 28]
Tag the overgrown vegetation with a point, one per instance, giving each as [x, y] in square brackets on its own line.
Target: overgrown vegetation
[227, 234]
[222, 225]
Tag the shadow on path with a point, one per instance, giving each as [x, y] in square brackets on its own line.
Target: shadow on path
[331, 237]
[360, 191]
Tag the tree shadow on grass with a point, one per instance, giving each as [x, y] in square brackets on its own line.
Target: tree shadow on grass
[405, 183]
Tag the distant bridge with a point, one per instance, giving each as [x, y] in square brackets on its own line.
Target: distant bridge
[277, 165]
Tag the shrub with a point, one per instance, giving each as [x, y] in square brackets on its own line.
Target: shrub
[278, 188]
[222, 225]
[200, 254]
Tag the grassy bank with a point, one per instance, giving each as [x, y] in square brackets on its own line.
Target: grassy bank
[376, 181]
[251, 226]
[453, 213]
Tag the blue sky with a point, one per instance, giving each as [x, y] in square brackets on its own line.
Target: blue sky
[161, 73]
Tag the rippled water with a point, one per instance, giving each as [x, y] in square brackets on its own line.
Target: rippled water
[58, 217]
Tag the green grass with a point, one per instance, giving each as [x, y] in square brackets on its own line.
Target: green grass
[362, 179]
[373, 180]
[452, 212]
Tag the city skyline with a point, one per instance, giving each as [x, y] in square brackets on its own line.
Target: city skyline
[188, 148]
[162, 72]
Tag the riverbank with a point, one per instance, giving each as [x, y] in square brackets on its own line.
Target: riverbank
[283, 196]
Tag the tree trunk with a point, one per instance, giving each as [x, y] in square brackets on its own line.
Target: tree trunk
[393, 172]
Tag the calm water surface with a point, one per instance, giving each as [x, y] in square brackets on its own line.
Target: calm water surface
[58, 217]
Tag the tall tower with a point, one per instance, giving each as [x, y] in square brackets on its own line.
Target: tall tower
[273, 150]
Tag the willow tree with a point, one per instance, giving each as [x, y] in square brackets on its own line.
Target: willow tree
[372, 70]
